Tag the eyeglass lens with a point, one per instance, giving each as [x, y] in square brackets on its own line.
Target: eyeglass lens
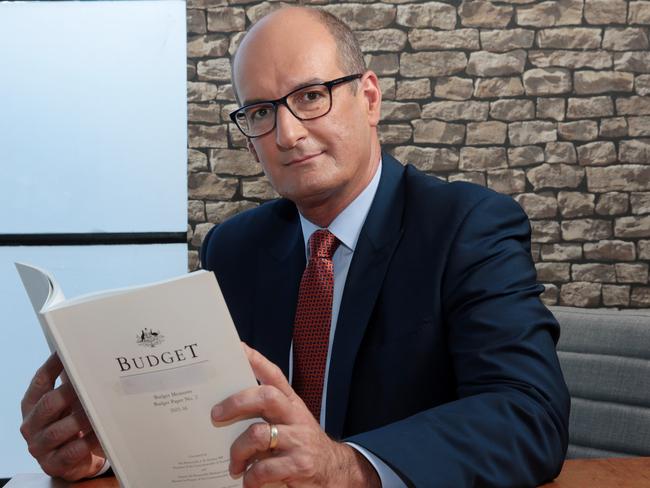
[307, 103]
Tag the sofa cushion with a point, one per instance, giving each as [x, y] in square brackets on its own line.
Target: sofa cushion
[605, 358]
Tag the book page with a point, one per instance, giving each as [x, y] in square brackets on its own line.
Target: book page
[41, 287]
[148, 366]
[42, 290]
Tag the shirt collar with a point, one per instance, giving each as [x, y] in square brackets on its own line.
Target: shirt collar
[347, 225]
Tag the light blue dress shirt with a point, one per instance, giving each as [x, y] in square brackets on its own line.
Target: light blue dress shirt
[347, 227]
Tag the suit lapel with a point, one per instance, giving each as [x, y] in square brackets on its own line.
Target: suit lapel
[280, 265]
[378, 239]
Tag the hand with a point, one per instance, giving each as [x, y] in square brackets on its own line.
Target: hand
[56, 429]
[304, 456]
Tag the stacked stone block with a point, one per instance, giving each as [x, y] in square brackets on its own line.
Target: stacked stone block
[546, 101]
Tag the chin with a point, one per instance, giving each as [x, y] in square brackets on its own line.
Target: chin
[306, 192]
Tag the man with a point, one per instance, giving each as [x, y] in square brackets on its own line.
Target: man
[403, 309]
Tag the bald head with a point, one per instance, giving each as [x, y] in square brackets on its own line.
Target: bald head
[320, 162]
[298, 26]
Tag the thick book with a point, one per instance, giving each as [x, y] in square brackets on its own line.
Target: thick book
[148, 363]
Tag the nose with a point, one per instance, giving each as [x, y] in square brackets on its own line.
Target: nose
[288, 129]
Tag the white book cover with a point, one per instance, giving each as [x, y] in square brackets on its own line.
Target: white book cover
[148, 364]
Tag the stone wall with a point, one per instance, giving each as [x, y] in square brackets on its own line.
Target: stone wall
[546, 101]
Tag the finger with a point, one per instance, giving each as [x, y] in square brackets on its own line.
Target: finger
[260, 401]
[267, 372]
[42, 382]
[54, 435]
[253, 443]
[75, 405]
[49, 408]
[75, 459]
[275, 470]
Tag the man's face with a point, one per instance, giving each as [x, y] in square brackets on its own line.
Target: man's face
[318, 161]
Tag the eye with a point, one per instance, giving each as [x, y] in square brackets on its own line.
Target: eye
[308, 97]
[311, 96]
[258, 113]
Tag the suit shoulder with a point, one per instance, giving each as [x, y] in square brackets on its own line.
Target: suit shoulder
[429, 192]
[248, 223]
[241, 234]
[431, 201]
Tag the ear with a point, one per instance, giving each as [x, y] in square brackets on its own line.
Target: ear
[372, 96]
[251, 149]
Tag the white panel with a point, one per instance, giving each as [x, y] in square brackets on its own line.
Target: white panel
[93, 124]
[79, 269]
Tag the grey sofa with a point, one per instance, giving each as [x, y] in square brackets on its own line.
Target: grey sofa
[605, 357]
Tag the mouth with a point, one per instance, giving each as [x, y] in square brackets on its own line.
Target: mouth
[303, 159]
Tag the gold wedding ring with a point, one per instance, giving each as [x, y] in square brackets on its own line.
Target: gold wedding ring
[274, 439]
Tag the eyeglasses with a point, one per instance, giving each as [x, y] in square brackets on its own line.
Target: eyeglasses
[305, 103]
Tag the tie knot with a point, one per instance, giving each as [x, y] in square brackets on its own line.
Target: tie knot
[323, 244]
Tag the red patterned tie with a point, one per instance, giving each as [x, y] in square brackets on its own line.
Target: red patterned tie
[311, 328]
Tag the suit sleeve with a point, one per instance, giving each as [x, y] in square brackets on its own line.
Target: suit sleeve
[508, 425]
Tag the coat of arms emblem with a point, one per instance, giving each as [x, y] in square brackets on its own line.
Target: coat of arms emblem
[149, 337]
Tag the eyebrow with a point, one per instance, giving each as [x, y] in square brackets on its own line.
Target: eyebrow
[312, 81]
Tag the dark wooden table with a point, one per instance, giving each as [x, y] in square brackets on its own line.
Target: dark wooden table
[576, 473]
[604, 473]
[44, 481]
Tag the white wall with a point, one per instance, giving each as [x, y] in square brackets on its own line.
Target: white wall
[92, 139]
[92, 117]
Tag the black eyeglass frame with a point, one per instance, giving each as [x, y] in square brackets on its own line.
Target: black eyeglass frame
[283, 101]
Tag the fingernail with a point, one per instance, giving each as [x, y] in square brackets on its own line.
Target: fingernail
[217, 411]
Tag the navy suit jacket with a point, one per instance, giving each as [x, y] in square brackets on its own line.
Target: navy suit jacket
[444, 361]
